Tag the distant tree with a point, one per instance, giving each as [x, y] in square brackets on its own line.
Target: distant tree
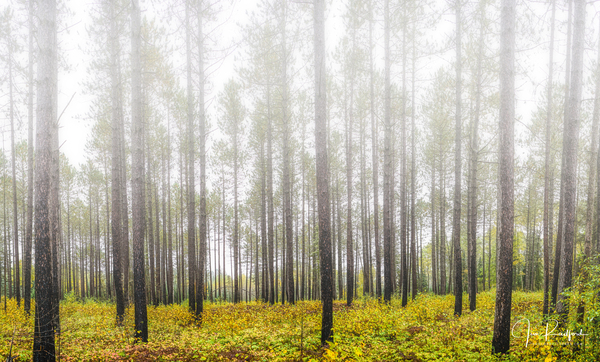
[458, 290]
[233, 112]
[375, 151]
[202, 149]
[547, 196]
[287, 192]
[10, 46]
[387, 164]
[116, 189]
[191, 188]
[29, 222]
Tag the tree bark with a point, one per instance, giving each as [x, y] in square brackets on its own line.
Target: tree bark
[43, 345]
[547, 195]
[191, 198]
[570, 143]
[322, 169]
[202, 150]
[458, 290]
[387, 164]
[501, 336]
[137, 181]
[30, 186]
[287, 193]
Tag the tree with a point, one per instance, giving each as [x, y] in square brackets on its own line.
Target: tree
[43, 344]
[546, 217]
[472, 191]
[504, 268]
[287, 192]
[137, 180]
[30, 186]
[570, 143]
[116, 189]
[322, 168]
[191, 188]
[233, 112]
[202, 146]
[387, 164]
[375, 151]
[458, 290]
[560, 229]
[17, 281]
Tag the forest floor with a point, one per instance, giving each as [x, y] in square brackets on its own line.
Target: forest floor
[425, 330]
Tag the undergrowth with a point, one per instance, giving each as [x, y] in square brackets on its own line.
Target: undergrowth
[425, 330]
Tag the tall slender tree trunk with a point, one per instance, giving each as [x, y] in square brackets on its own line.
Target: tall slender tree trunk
[560, 227]
[570, 143]
[403, 174]
[442, 231]
[287, 193]
[322, 168]
[137, 181]
[589, 226]
[202, 150]
[349, 242]
[413, 175]
[474, 153]
[547, 172]
[387, 164]
[17, 273]
[504, 267]
[43, 345]
[169, 223]
[191, 199]
[458, 290]
[29, 222]
[375, 151]
[270, 212]
[434, 256]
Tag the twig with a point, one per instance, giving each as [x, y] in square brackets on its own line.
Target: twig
[9, 358]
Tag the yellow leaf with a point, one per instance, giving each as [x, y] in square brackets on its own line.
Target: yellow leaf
[332, 355]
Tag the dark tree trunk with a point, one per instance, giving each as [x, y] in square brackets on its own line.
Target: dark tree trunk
[202, 150]
[403, 175]
[504, 269]
[43, 345]
[29, 223]
[270, 227]
[152, 254]
[322, 168]
[458, 290]
[547, 172]
[413, 175]
[474, 152]
[570, 143]
[387, 166]
[137, 181]
[287, 194]
[442, 231]
[560, 227]
[191, 199]
[169, 223]
[17, 280]
[375, 151]
[433, 231]
[349, 244]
